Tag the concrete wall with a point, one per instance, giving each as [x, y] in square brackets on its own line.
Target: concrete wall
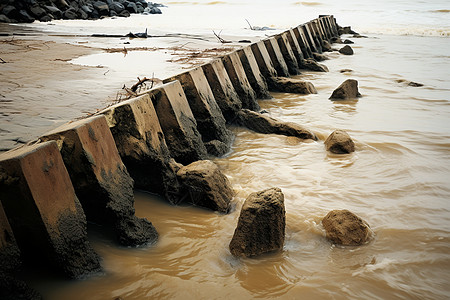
[145, 139]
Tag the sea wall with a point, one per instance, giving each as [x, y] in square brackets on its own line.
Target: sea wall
[142, 141]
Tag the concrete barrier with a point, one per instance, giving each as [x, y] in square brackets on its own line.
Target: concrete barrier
[140, 141]
[276, 57]
[263, 59]
[240, 81]
[209, 117]
[222, 89]
[313, 34]
[295, 46]
[301, 39]
[309, 39]
[178, 123]
[325, 28]
[44, 213]
[254, 76]
[288, 53]
[101, 180]
[10, 259]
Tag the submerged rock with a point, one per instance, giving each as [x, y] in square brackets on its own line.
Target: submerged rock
[263, 123]
[319, 57]
[326, 46]
[311, 64]
[339, 142]
[346, 50]
[347, 90]
[290, 85]
[261, 224]
[206, 185]
[345, 228]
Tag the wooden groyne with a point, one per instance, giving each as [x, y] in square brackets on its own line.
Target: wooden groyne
[86, 170]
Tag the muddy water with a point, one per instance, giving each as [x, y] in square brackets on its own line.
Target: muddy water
[397, 180]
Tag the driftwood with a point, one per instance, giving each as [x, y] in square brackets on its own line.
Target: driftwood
[140, 82]
[219, 38]
[2, 61]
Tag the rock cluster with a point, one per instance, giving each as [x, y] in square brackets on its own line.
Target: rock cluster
[47, 10]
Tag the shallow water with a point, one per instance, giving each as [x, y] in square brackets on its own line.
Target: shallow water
[397, 180]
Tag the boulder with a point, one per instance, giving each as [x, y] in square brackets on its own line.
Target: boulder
[347, 90]
[124, 14]
[261, 224]
[131, 7]
[71, 14]
[10, 11]
[206, 185]
[311, 64]
[25, 17]
[345, 228]
[319, 57]
[348, 42]
[117, 7]
[101, 7]
[326, 47]
[290, 85]
[155, 11]
[339, 142]
[37, 11]
[4, 19]
[346, 50]
[346, 30]
[264, 124]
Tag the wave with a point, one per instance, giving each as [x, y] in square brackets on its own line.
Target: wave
[408, 30]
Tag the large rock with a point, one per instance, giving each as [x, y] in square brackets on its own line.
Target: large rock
[311, 64]
[100, 178]
[206, 185]
[101, 7]
[290, 85]
[261, 224]
[339, 142]
[141, 144]
[345, 228]
[44, 213]
[347, 90]
[346, 50]
[264, 124]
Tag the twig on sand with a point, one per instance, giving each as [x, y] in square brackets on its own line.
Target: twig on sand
[219, 38]
[2, 61]
[139, 83]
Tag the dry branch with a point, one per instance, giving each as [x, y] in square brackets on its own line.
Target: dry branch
[219, 38]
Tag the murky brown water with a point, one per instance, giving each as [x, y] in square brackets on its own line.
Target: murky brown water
[397, 180]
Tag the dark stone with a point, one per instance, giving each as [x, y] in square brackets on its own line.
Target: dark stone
[348, 42]
[415, 84]
[124, 14]
[140, 8]
[339, 142]
[54, 11]
[37, 11]
[347, 90]
[326, 47]
[311, 64]
[25, 17]
[206, 185]
[345, 228]
[346, 71]
[265, 124]
[217, 148]
[319, 56]
[71, 14]
[346, 50]
[10, 11]
[261, 224]
[346, 30]
[46, 18]
[131, 7]
[101, 7]
[4, 19]
[155, 11]
[89, 9]
[116, 7]
[290, 85]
